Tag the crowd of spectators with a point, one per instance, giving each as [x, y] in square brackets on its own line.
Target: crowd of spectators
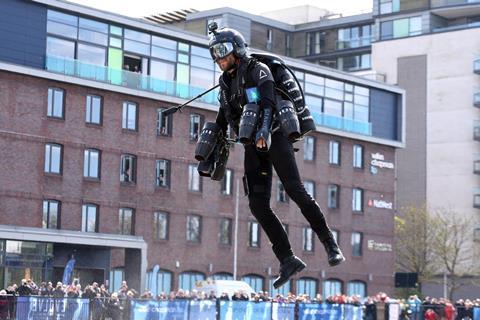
[113, 305]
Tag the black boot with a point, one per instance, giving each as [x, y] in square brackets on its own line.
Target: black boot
[288, 268]
[334, 253]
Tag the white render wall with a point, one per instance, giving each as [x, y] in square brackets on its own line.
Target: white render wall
[450, 148]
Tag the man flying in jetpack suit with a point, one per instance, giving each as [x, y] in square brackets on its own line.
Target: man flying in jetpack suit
[266, 123]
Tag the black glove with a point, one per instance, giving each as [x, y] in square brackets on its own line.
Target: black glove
[264, 130]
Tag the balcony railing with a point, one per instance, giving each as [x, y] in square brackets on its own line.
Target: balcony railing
[476, 130]
[127, 79]
[476, 197]
[445, 3]
[476, 66]
[343, 124]
[354, 43]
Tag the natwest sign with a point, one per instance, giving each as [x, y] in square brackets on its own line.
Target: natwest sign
[378, 160]
[378, 246]
[382, 204]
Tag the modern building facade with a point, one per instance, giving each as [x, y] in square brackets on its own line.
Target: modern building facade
[93, 168]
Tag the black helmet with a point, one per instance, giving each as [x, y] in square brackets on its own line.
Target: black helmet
[226, 41]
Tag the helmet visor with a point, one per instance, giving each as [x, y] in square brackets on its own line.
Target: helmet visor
[221, 50]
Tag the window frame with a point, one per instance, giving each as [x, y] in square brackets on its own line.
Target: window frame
[51, 109]
[358, 159]
[125, 111]
[226, 187]
[192, 170]
[168, 166]
[121, 221]
[357, 246]
[281, 191]
[156, 225]
[358, 208]
[309, 142]
[337, 196]
[332, 160]
[60, 166]
[87, 106]
[229, 231]
[99, 152]
[188, 229]
[48, 222]
[308, 243]
[164, 131]
[130, 180]
[192, 135]
[85, 215]
[251, 238]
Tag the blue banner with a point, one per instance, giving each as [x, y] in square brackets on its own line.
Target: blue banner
[476, 313]
[41, 308]
[245, 310]
[159, 310]
[283, 311]
[353, 312]
[316, 311]
[203, 310]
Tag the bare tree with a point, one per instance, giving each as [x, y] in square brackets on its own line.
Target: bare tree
[453, 248]
[414, 241]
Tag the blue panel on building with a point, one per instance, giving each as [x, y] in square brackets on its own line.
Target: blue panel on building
[384, 114]
[23, 32]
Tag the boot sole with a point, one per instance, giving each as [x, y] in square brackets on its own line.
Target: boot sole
[337, 262]
[297, 270]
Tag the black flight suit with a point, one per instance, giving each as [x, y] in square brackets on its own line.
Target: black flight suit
[258, 165]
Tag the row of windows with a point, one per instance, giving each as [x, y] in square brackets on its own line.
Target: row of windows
[126, 225]
[128, 174]
[334, 147]
[305, 285]
[130, 110]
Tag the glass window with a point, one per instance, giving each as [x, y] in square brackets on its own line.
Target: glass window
[51, 214]
[61, 29]
[400, 28]
[356, 244]
[334, 152]
[56, 102]
[162, 71]
[227, 182]
[163, 53]
[136, 35]
[160, 225]
[187, 280]
[91, 164]
[128, 168]
[93, 25]
[201, 78]
[162, 281]
[253, 234]
[225, 231]
[69, 19]
[357, 156]
[283, 290]
[94, 110]
[222, 276]
[332, 107]
[255, 281]
[195, 120]
[332, 287]
[117, 275]
[357, 288]
[164, 123]
[60, 48]
[333, 196]
[116, 30]
[90, 217]
[93, 37]
[310, 187]
[357, 200]
[162, 173]
[165, 43]
[194, 228]
[194, 179]
[314, 84]
[53, 158]
[136, 47]
[126, 220]
[129, 116]
[307, 239]
[386, 30]
[307, 286]
[309, 148]
[334, 89]
[361, 113]
[115, 42]
[415, 26]
[281, 193]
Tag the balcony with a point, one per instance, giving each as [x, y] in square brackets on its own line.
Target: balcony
[476, 197]
[476, 66]
[127, 79]
[476, 164]
[343, 124]
[451, 9]
[476, 130]
[354, 43]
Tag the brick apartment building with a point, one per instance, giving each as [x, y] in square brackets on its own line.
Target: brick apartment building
[92, 167]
